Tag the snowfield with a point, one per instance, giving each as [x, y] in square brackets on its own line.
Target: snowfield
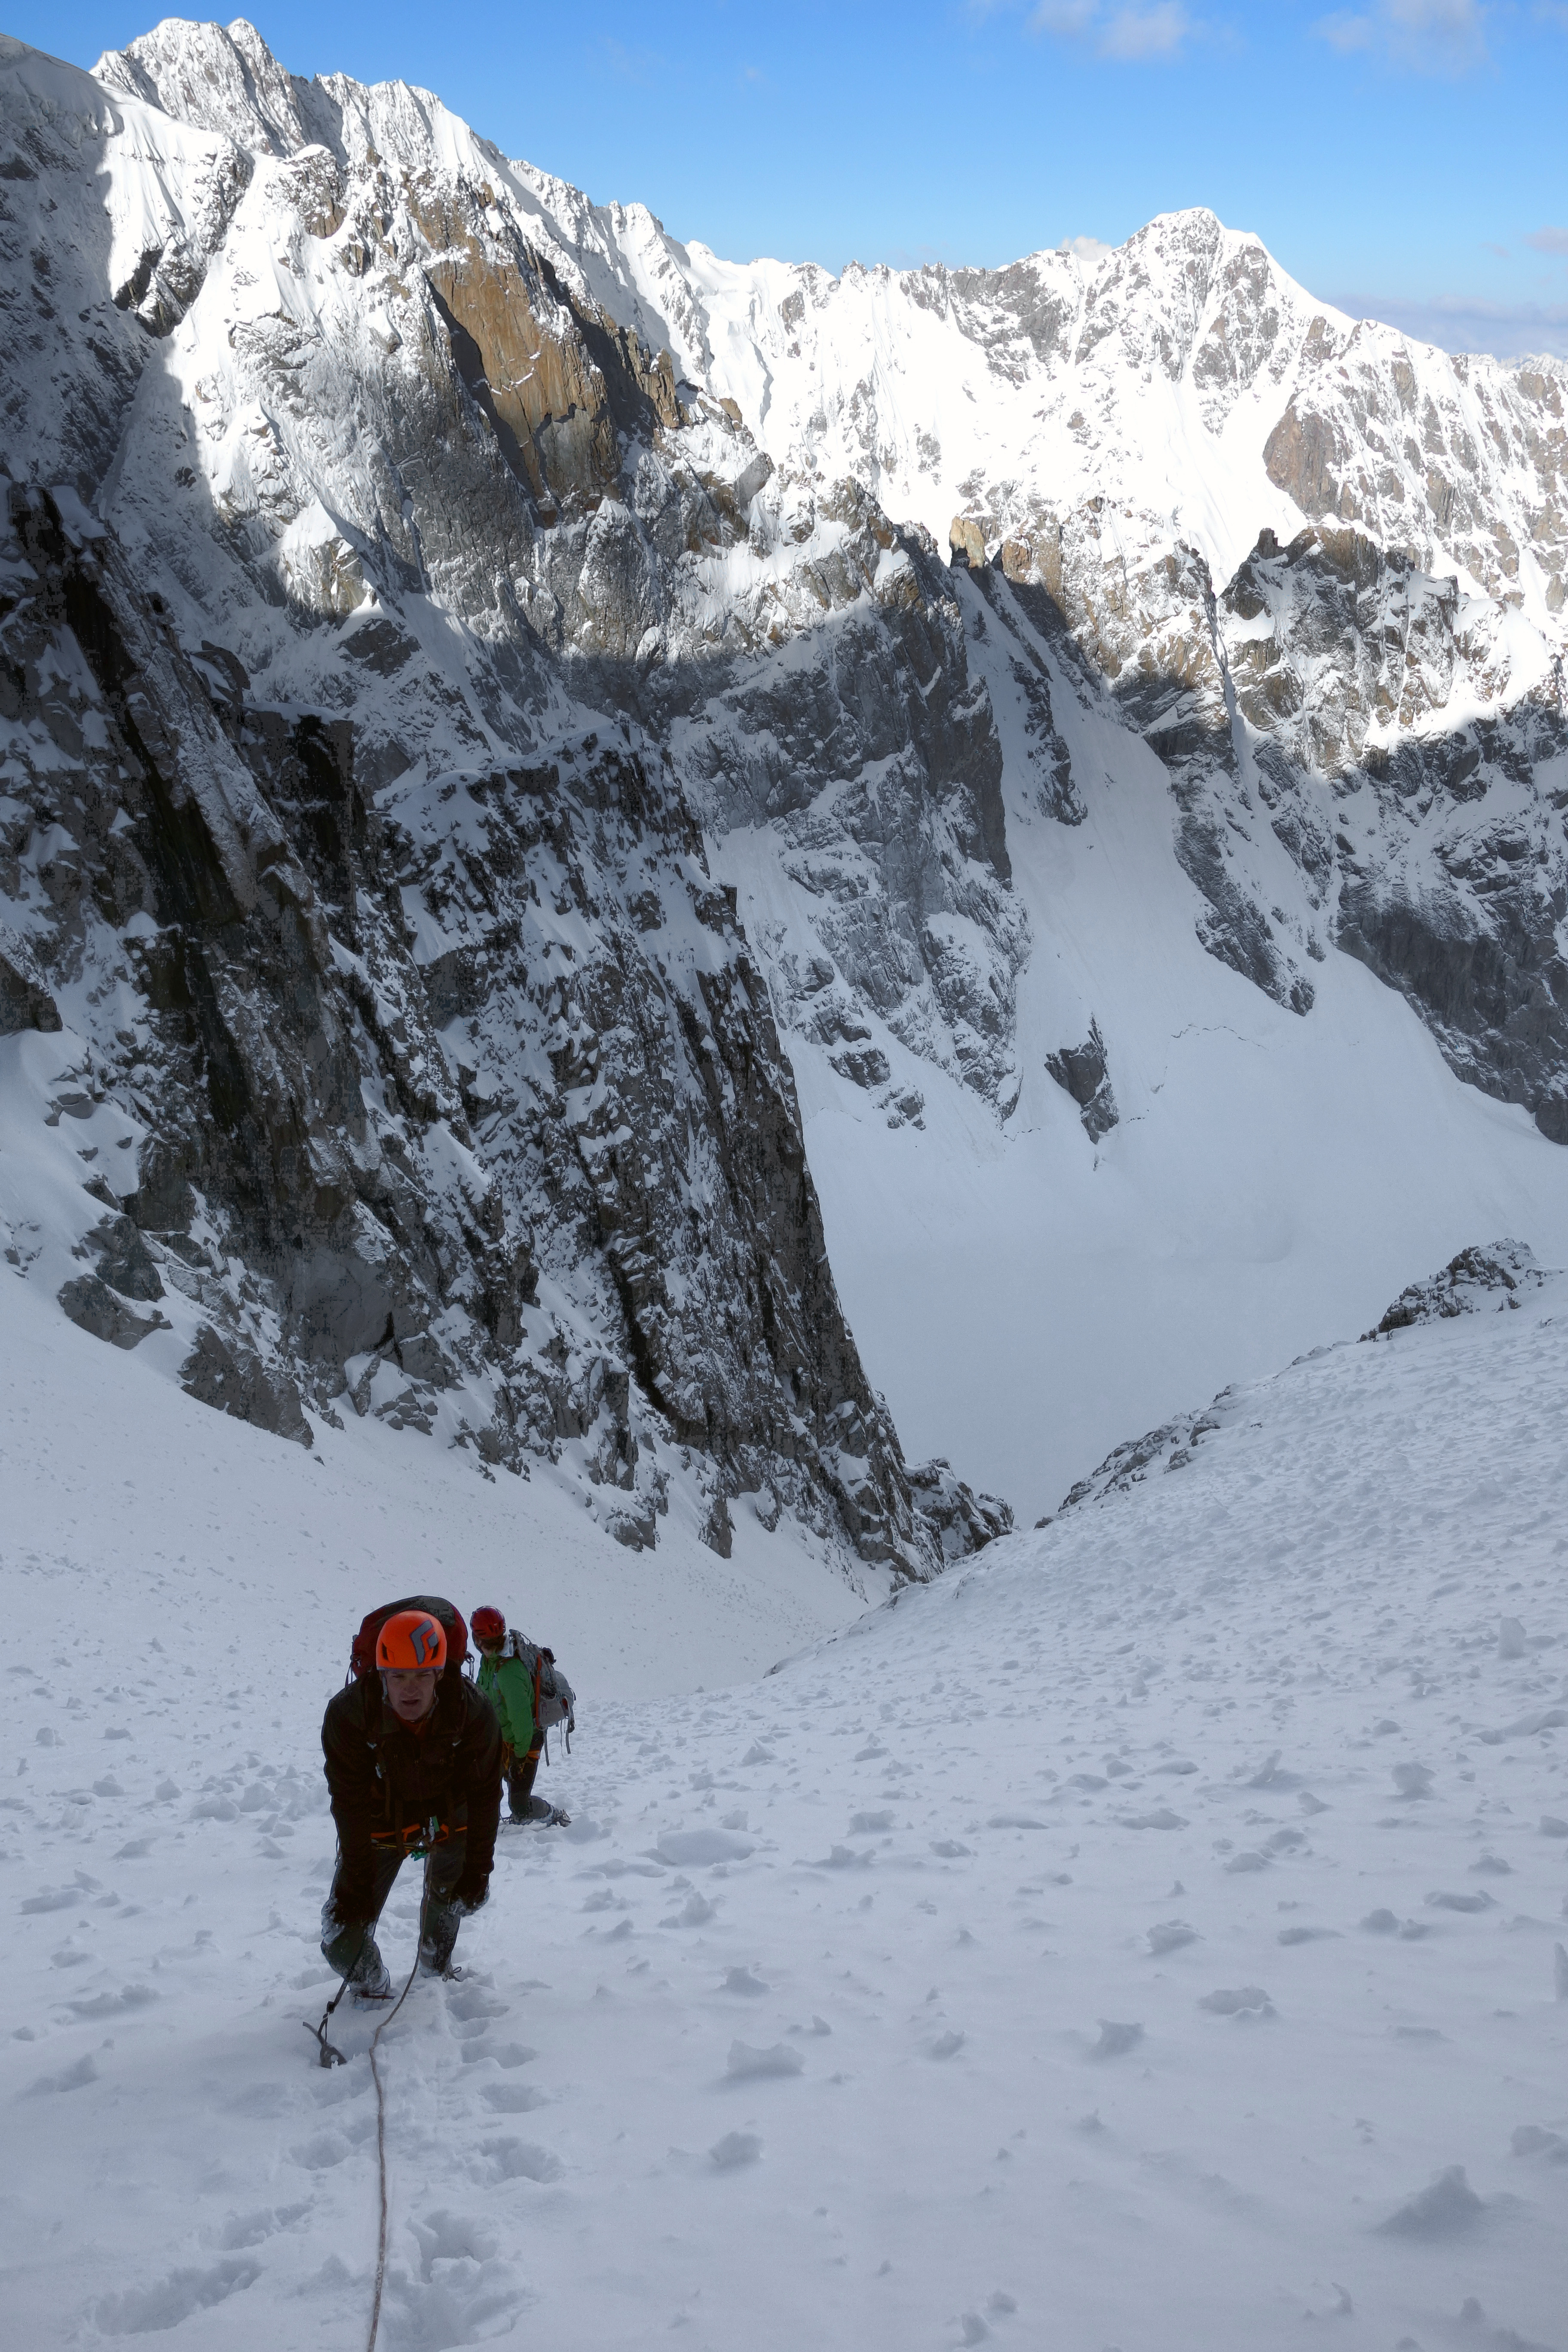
[1149, 1936]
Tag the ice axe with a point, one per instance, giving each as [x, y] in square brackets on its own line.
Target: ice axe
[331, 2055]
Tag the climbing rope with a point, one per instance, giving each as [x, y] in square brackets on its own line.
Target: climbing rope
[381, 2095]
[331, 2057]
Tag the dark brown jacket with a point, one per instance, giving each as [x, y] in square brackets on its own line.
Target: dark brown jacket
[384, 1778]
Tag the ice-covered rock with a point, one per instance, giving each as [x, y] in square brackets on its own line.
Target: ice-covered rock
[1480, 1280]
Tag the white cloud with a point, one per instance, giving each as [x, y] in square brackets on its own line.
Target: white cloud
[1130, 35]
[1431, 35]
[1067, 16]
[1091, 250]
[1135, 33]
[1459, 322]
[1548, 239]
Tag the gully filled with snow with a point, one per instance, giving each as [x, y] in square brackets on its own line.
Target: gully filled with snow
[1142, 1936]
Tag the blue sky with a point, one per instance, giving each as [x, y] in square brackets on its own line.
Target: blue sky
[1405, 158]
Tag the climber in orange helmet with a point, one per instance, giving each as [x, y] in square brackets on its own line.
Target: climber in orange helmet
[409, 1744]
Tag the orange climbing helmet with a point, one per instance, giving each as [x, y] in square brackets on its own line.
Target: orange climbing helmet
[411, 1639]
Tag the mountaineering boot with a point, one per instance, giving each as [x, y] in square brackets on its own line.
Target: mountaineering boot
[539, 1814]
[436, 1944]
[370, 1980]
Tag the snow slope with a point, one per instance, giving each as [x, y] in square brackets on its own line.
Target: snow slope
[1144, 1937]
[1024, 1295]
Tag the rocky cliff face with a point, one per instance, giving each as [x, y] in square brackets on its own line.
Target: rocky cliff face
[344, 851]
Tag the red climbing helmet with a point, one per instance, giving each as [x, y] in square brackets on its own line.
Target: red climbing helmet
[411, 1639]
[487, 1625]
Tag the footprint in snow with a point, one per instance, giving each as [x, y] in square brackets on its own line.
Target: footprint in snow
[474, 2002]
[745, 2062]
[744, 1980]
[1534, 2139]
[692, 1849]
[503, 2054]
[1116, 2039]
[113, 2004]
[513, 2098]
[1383, 1922]
[242, 2231]
[1447, 2207]
[517, 2160]
[462, 2290]
[1445, 1902]
[695, 1912]
[1171, 1935]
[947, 2046]
[1241, 2000]
[143, 2310]
[734, 2150]
[73, 2078]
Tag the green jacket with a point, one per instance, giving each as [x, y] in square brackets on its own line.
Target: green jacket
[509, 1686]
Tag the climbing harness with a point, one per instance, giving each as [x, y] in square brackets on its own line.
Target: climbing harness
[429, 1837]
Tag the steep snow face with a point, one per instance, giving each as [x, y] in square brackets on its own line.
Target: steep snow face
[1187, 1876]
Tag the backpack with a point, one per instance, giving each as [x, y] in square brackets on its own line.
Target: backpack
[361, 1652]
[555, 1700]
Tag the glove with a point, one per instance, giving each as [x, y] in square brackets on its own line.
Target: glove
[470, 1895]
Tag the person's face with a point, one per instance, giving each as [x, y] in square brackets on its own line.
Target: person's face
[490, 1648]
[410, 1691]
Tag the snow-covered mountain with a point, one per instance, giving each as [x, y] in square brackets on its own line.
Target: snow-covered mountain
[522, 736]
[1146, 1934]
